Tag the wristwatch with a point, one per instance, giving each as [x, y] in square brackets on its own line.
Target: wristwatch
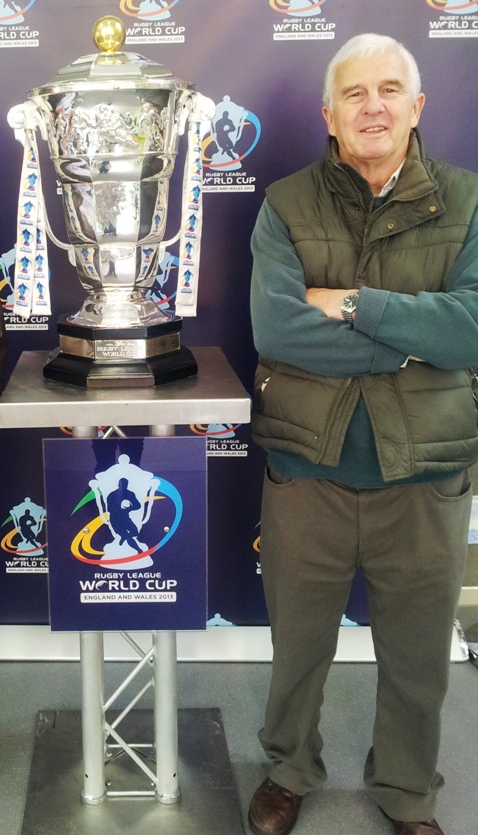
[349, 305]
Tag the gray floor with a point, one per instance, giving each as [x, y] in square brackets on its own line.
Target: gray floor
[240, 690]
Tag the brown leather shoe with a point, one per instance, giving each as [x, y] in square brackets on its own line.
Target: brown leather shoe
[273, 809]
[416, 827]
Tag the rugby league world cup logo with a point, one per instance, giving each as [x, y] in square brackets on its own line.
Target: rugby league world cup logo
[151, 21]
[24, 540]
[126, 497]
[28, 518]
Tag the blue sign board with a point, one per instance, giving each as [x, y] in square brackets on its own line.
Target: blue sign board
[127, 533]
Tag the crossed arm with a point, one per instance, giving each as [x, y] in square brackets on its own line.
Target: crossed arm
[305, 327]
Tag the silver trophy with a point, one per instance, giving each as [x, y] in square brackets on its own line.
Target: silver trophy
[113, 122]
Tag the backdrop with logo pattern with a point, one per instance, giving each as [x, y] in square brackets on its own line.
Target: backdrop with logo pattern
[262, 62]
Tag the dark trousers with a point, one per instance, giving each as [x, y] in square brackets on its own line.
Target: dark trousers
[411, 543]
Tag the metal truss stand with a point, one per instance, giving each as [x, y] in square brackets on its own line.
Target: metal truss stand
[116, 769]
[97, 731]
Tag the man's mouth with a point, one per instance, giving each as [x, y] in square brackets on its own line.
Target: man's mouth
[375, 129]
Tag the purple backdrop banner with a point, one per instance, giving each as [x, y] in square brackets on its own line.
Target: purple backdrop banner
[262, 62]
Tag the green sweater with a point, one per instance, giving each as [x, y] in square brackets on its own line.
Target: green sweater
[389, 325]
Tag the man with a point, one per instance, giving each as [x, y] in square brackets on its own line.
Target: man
[365, 316]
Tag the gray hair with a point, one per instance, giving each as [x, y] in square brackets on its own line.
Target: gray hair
[365, 45]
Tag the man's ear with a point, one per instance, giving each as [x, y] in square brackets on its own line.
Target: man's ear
[329, 118]
[417, 109]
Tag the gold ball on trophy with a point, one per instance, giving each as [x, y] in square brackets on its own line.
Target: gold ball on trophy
[109, 33]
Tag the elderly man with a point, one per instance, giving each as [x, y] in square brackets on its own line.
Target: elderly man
[365, 316]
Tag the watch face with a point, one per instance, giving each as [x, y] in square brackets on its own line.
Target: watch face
[350, 302]
[349, 305]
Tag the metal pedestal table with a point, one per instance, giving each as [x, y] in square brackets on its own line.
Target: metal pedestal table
[209, 802]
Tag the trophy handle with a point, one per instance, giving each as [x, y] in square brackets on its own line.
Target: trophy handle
[69, 248]
[40, 117]
[29, 116]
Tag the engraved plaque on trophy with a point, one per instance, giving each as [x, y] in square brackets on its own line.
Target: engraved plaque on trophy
[113, 122]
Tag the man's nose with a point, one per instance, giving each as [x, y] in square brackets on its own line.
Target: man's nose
[373, 102]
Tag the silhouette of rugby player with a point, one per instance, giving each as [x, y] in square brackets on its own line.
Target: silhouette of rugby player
[27, 523]
[223, 127]
[120, 503]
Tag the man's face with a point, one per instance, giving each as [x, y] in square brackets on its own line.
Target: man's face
[373, 110]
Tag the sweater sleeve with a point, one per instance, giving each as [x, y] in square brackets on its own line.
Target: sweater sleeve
[288, 329]
[439, 328]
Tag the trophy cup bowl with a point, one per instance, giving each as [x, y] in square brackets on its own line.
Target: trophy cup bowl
[113, 122]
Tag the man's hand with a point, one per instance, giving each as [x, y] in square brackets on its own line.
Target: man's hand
[328, 301]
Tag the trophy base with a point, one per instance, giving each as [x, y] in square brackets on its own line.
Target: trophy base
[77, 371]
[94, 357]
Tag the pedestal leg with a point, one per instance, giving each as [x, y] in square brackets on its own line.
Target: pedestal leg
[165, 696]
[162, 430]
[166, 717]
[92, 683]
[93, 734]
